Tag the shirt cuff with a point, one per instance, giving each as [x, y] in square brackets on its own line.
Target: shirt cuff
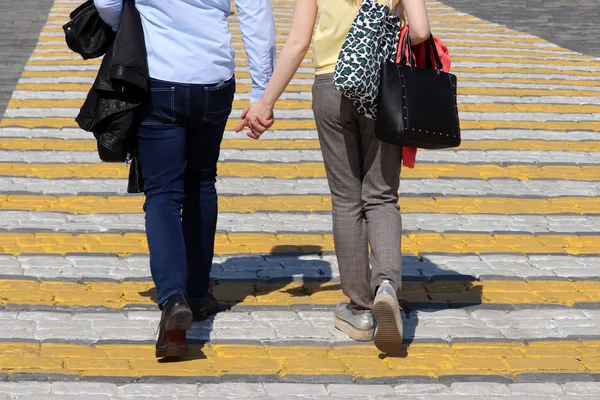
[256, 94]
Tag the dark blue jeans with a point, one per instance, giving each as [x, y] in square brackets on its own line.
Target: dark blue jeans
[179, 141]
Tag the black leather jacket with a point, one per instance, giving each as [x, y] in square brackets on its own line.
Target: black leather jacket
[121, 87]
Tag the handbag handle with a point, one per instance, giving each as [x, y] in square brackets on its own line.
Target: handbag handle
[407, 46]
[438, 61]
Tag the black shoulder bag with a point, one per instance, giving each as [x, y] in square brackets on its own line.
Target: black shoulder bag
[417, 106]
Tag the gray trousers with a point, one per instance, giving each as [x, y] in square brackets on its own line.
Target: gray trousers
[363, 175]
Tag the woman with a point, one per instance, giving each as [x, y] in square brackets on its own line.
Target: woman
[363, 173]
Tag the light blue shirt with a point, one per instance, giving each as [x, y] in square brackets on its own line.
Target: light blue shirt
[188, 41]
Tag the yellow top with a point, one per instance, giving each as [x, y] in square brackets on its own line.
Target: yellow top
[335, 20]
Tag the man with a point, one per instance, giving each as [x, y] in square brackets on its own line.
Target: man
[191, 65]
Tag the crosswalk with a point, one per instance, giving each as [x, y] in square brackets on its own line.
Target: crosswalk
[501, 242]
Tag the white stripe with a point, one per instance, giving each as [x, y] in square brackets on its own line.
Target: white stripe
[90, 80]
[565, 85]
[488, 52]
[286, 222]
[281, 326]
[546, 100]
[558, 67]
[502, 134]
[459, 41]
[235, 267]
[84, 67]
[71, 95]
[518, 75]
[235, 391]
[303, 114]
[319, 186]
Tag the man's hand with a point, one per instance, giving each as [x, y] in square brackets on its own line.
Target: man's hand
[258, 117]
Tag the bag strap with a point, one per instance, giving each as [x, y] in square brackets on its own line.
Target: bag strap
[406, 47]
[438, 61]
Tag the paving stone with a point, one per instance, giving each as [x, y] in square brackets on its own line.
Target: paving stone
[158, 390]
[25, 388]
[60, 397]
[479, 388]
[84, 388]
[536, 389]
[232, 389]
[581, 388]
[293, 389]
[367, 390]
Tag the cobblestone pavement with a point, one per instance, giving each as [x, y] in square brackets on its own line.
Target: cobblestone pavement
[501, 247]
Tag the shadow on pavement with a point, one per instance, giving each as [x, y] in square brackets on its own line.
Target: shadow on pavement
[302, 281]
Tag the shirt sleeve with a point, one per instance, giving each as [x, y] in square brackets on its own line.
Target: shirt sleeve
[110, 12]
[258, 34]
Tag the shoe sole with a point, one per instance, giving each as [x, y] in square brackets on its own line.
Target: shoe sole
[388, 334]
[359, 335]
[172, 351]
[181, 319]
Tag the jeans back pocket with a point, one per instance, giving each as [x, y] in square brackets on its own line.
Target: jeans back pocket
[160, 107]
[218, 101]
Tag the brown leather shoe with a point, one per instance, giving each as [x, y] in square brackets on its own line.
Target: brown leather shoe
[207, 307]
[176, 319]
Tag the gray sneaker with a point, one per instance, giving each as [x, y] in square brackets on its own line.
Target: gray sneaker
[389, 331]
[358, 327]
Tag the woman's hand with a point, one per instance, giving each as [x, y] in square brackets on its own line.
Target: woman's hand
[258, 117]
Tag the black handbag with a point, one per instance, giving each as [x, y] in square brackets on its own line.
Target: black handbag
[417, 106]
[86, 33]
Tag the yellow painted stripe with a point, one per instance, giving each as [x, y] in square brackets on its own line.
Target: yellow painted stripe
[313, 170]
[306, 105]
[310, 124]
[359, 361]
[263, 243]
[118, 295]
[56, 74]
[282, 203]
[24, 144]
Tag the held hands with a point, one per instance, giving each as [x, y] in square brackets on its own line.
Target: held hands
[258, 117]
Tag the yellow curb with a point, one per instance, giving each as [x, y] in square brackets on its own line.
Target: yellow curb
[313, 170]
[253, 204]
[359, 361]
[115, 295]
[262, 243]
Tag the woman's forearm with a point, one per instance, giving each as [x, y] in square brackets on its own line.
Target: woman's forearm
[418, 20]
[294, 51]
[287, 65]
